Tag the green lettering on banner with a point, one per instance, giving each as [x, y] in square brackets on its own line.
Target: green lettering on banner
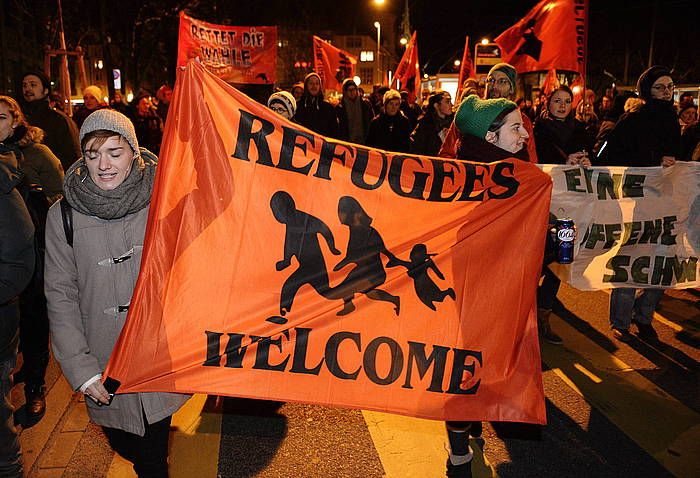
[639, 266]
[573, 180]
[667, 238]
[652, 231]
[633, 186]
[608, 185]
[617, 264]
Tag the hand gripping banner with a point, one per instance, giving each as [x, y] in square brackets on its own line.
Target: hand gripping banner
[282, 265]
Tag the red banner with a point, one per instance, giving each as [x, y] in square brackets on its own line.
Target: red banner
[332, 64]
[550, 83]
[234, 54]
[282, 265]
[552, 35]
[408, 71]
[466, 68]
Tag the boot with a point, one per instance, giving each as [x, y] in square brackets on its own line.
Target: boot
[36, 402]
[545, 329]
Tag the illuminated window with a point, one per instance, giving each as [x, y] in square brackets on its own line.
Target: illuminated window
[366, 56]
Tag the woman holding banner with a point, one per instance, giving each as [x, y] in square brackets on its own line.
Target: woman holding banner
[489, 130]
[647, 137]
[94, 239]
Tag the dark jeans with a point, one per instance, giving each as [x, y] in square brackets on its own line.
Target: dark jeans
[547, 292]
[33, 336]
[148, 453]
[10, 456]
[625, 305]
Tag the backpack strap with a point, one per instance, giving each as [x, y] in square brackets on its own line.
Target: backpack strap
[67, 216]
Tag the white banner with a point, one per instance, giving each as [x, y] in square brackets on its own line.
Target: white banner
[637, 227]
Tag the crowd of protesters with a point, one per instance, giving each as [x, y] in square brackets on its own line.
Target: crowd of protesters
[95, 174]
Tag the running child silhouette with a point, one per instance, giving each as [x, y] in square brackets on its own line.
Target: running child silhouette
[426, 290]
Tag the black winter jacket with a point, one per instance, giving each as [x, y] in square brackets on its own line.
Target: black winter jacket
[556, 140]
[390, 133]
[318, 115]
[61, 133]
[16, 252]
[642, 137]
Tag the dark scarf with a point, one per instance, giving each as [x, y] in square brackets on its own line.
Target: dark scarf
[560, 130]
[129, 197]
[471, 148]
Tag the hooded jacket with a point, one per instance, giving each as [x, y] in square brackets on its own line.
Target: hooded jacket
[16, 252]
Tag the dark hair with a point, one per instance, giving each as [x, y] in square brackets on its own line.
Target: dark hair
[500, 120]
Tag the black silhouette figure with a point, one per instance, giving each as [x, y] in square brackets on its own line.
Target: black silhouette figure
[365, 247]
[532, 45]
[344, 69]
[301, 241]
[426, 290]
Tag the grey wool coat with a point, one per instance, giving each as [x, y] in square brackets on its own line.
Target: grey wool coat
[84, 288]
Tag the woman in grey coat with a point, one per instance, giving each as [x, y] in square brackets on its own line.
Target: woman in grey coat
[89, 284]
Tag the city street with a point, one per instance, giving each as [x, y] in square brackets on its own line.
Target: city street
[613, 410]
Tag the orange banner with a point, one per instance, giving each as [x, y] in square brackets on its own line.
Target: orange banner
[408, 71]
[282, 265]
[234, 54]
[332, 64]
[552, 35]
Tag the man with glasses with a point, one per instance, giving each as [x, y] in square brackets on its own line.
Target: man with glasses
[354, 114]
[647, 137]
[500, 83]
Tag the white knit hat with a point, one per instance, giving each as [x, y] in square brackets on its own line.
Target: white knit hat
[110, 120]
[391, 95]
[284, 98]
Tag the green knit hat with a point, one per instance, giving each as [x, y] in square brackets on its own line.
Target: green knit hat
[507, 70]
[475, 116]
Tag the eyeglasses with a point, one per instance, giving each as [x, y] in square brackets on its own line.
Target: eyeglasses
[499, 82]
[662, 87]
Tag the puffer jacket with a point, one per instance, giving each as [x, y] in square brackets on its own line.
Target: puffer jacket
[88, 287]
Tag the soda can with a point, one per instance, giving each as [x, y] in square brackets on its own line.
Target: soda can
[565, 240]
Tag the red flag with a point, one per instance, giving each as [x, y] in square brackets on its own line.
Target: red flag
[466, 69]
[332, 64]
[578, 88]
[408, 71]
[282, 265]
[234, 54]
[550, 83]
[552, 35]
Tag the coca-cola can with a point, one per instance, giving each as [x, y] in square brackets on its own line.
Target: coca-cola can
[566, 233]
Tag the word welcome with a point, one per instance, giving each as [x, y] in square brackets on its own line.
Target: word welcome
[383, 361]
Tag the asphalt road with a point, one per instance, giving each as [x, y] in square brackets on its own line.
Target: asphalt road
[613, 409]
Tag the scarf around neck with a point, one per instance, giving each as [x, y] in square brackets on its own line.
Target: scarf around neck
[129, 197]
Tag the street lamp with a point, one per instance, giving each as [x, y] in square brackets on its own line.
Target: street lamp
[379, 45]
[484, 41]
[379, 2]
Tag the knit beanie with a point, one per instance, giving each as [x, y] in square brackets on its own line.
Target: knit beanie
[93, 90]
[648, 78]
[391, 95]
[347, 83]
[507, 70]
[45, 81]
[312, 74]
[284, 98]
[110, 120]
[475, 116]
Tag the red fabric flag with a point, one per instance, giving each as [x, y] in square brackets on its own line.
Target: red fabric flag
[550, 83]
[234, 54]
[408, 71]
[282, 265]
[332, 64]
[578, 88]
[466, 68]
[552, 35]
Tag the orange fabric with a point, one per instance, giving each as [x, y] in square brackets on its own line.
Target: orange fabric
[449, 146]
[234, 54]
[332, 64]
[408, 71]
[551, 35]
[550, 83]
[252, 214]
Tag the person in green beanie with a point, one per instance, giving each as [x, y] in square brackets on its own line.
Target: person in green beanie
[487, 131]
